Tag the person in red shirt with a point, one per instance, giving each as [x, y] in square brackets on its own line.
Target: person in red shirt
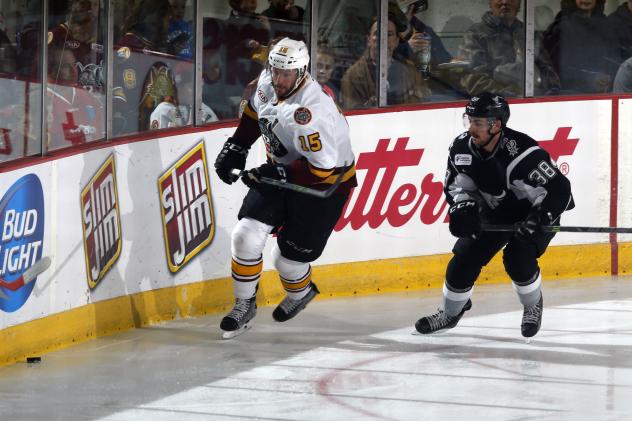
[74, 115]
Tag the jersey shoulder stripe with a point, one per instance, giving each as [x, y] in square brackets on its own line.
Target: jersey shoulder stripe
[517, 160]
[460, 144]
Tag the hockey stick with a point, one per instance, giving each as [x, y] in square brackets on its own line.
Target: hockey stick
[296, 187]
[31, 273]
[559, 228]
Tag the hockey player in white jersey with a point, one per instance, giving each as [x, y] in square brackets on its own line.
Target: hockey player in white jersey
[167, 114]
[499, 176]
[307, 143]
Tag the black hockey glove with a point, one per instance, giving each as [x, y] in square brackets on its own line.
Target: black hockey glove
[252, 178]
[464, 219]
[231, 156]
[534, 222]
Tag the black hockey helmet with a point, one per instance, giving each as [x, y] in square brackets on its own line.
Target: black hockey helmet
[488, 105]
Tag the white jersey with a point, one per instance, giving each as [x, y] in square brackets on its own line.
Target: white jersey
[165, 115]
[307, 124]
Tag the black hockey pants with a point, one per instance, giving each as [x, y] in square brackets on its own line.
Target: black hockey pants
[519, 257]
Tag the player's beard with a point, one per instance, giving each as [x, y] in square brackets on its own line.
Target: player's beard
[482, 144]
[287, 91]
[281, 94]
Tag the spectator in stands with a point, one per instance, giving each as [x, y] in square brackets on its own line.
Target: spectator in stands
[29, 36]
[415, 42]
[248, 34]
[582, 47]
[623, 80]
[120, 10]
[180, 31]
[80, 33]
[142, 46]
[422, 46]
[146, 26]
[405, 84]
[284, 9]
[215, 91]
[74, 115]
[620, 22]
[7, 55]
[286, 19]
[495, 49]
[325, 65]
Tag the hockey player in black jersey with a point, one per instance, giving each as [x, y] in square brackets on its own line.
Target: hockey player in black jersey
[500, 176]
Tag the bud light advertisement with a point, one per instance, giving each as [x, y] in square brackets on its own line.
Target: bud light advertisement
[21, 241]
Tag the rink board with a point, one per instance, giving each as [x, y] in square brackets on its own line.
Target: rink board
[140, 232]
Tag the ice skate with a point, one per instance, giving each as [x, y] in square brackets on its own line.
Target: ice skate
[238, 320]
[440, 321]
[532, 319]
[289, 308]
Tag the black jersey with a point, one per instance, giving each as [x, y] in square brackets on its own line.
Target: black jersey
[516, 176]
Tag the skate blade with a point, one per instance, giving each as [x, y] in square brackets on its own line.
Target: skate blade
[435, 333]
[441, 332]
[230, 334]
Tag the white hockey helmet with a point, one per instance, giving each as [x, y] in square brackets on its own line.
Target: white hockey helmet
[289, 54]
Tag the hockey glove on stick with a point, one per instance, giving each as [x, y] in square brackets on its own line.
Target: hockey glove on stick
[231, 156]
[252, 178]
[464, 219]
[534, 222]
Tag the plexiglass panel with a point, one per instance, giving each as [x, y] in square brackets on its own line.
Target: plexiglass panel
[153, 66]
[20, 80]
[75, 91]
[237, 37]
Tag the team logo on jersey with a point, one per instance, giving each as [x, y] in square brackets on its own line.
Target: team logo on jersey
[155, 124]
[463, 159]
[123, 53]
[302, 115]
[90, 76]
[73, 44]
[493, 201]
[512, 146]
[273, 143]
[21, 244]
[101, 222]
[262, 96]
[129, 78]
[186, 207]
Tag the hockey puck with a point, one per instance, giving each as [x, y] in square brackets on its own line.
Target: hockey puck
[32, 360]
